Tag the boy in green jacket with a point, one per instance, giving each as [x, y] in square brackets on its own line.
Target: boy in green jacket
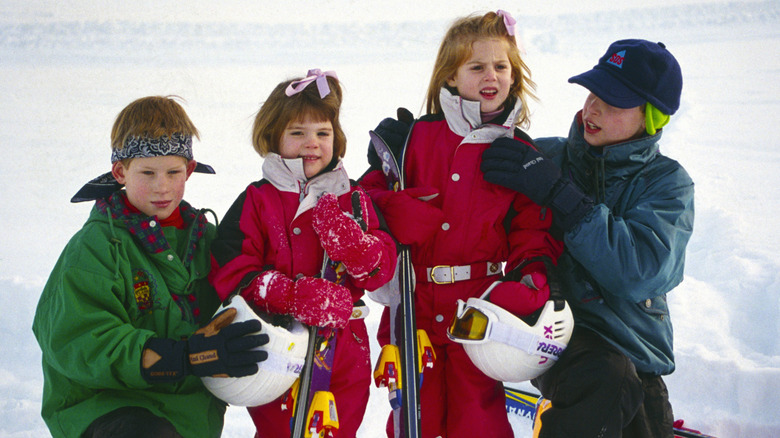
[118, 320]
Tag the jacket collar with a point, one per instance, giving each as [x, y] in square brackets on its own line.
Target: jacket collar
[146, 229]
[589, 169]
[465, 119]
[628, 154]
[287, 175]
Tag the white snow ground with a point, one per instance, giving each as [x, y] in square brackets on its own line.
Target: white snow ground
[68, 67]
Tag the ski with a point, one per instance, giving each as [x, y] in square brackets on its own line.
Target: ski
[523, 404]
[684, 432]
[299, 393]
[312, 403]
[401, 372]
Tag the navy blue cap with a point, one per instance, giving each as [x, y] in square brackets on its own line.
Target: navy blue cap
[633, 72]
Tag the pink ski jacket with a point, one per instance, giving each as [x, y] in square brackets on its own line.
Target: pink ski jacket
[269, 226]
[483, 222]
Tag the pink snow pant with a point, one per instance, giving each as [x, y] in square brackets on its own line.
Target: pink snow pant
[350, 384]
[456, 399]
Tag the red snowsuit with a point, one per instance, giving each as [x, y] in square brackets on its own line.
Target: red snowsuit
[269, 226]
[444, 152]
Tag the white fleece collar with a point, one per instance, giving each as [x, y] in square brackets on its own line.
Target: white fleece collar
[287, 175]
[465, 119]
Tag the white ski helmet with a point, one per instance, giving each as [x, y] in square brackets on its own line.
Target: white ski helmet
[286, 350]
[505, 347]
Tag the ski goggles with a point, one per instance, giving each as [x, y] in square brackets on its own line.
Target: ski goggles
[469, 324]
[474, 323]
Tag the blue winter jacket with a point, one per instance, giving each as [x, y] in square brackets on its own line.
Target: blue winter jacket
[629, 251]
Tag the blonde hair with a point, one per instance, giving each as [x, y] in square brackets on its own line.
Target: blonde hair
[279, 110]
[151, 117]
[456, 49]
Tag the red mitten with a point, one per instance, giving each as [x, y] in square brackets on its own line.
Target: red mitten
[321, 303]
[342, 237]
[271, 291]
[523, 297]
[312, 301]
[409, 215]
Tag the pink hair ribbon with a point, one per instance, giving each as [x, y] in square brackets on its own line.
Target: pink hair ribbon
[509, 21]
[313, 75]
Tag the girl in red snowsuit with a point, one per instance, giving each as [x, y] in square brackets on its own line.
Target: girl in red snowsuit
[271, 243]
[459, 227]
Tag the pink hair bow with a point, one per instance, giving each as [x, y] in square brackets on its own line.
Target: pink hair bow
[312, 75]
[509, 21]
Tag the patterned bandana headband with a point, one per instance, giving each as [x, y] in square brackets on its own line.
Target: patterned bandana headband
[139, 147]
[313, 75]
[144, 147]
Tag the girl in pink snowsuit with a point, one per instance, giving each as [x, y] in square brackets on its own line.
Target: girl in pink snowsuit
[272, 241]
[460, 228]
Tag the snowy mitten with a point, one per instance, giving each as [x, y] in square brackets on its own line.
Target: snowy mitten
[312, 301]
[271, 292]
[321, 303]
[523, 297]
[410, 216]
[342, 237]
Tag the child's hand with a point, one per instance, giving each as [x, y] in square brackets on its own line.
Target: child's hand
[219, 349]
[233, 343]
[312, 301]
[321, 303]
[515, 165]
[342, 237]
[523, 297]
[411, 218]
[394, 133]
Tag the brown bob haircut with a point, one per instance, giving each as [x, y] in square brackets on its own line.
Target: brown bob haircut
[279, 110]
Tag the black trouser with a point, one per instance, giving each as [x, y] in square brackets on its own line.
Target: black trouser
[596, 391]
[130, 422]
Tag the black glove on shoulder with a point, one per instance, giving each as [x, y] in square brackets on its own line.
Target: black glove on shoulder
[517, 166]
[394, 133]
[569, 204]
[219, 349]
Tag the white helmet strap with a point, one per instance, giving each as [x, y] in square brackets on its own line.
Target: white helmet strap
[525, 341]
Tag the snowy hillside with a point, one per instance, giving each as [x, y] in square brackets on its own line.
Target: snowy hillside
[66, 70]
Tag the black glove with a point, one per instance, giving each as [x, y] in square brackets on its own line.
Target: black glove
[515, 165]
[394, 133]
[220, 349]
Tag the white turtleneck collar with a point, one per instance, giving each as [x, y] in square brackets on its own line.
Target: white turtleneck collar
[465, 118]
[287, 175]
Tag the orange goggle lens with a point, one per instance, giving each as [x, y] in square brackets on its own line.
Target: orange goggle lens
[469, 325]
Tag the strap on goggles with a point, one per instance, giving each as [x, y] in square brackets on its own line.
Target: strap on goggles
[471, 326]
[468, 325]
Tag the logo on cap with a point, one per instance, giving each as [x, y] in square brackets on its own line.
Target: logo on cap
[617, 59]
